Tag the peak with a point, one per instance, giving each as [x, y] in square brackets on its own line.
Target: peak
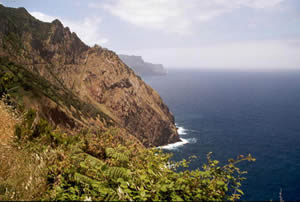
[80, 87]
[9, 11]
[22, 9]
[57, 22]
[96, 46]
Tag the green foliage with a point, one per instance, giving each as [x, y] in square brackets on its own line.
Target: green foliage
[29, 118]
[147, 175]
[34, 132]
[6, 81]
[24, 130]
[96, 167]
[118, 156]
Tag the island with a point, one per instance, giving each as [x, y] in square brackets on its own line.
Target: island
[141, 67]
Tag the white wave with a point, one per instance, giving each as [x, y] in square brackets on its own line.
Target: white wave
[179, 144]
[192, 140]
[175, 145]
[182, 130]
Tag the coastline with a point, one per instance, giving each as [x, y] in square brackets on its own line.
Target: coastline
[182, 132]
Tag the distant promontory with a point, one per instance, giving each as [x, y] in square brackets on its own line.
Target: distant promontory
[141, 67]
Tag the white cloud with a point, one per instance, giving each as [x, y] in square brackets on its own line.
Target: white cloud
[153, 14]
[244, 55]
[43, 17]
[176, 16]
[88, 29]
[259, 4]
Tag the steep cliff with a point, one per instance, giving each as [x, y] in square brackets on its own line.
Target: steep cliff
[141, 67]
[76, 86]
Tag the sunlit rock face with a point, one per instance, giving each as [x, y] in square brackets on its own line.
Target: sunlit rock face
[95, 75]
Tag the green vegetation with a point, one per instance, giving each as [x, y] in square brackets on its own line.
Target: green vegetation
[103, 166]
[145, 175]
[21, 21]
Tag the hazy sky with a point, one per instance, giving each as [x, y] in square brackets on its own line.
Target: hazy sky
[232, 34]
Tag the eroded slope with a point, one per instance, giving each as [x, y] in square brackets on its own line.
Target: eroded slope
[95, 75]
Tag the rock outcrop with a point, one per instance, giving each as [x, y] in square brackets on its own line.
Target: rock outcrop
[141, 67]
[84, 87]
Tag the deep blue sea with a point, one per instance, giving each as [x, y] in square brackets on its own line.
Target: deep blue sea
[232, 113]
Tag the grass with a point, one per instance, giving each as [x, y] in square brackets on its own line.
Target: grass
[22, 175]
[29, 148]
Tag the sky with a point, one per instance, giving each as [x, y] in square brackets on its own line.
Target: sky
[247, 35]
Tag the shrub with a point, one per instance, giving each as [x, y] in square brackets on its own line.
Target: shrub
[6, 81]
[104, 166]
[147, 175]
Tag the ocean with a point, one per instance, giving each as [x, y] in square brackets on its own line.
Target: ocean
[231, 113]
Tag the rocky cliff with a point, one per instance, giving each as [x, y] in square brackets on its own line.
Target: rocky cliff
[76, 86]
[141, 67]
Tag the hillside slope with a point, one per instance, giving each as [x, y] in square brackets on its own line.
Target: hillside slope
[76, 86]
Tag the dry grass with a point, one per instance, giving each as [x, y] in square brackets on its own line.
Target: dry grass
[8, 120]
[21, 172]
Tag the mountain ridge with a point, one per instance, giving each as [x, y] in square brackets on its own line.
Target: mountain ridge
[93, 76]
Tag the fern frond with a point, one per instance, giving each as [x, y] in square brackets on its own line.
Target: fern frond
[112, 196]
[117, 172]
[112, 153]
[87, 160]
[82, 179]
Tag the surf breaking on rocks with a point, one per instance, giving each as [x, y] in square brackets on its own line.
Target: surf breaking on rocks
[182, 132]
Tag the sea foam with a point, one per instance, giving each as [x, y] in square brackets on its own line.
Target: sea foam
[181, 131]
[176, 144]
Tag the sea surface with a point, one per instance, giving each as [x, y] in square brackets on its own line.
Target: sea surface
[232, 113]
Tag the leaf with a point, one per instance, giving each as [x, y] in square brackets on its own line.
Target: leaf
[117, 172]
[164, 188]
[220, 183]
[240, 191]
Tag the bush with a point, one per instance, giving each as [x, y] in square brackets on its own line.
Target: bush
[97, 167]
[6, 81]
[147, 175]
[39, 130]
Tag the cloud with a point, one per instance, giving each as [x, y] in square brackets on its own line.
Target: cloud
[150, 14]
[176, 16]
[87, 29]
[43, 17]
[257, 55]
[259, 4]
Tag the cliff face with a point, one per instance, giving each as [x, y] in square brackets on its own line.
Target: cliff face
[141, 67]
[83, 86]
